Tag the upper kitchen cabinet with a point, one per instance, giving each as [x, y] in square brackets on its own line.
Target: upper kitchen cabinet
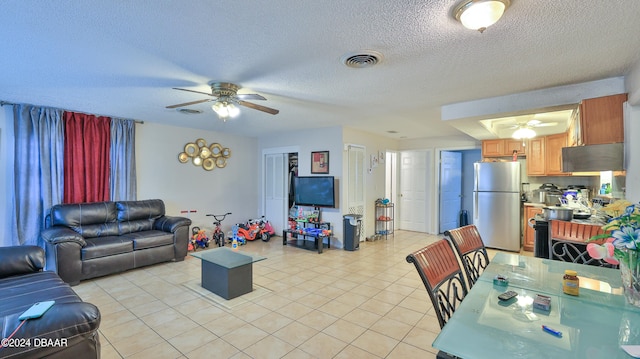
[514, 145]
[544, 155]
[502, 148]
[492, 148]
[601, 120]
[536, 157]
[553, 154]
[574, 137]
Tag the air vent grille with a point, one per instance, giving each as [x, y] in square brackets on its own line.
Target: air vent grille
[361, 60]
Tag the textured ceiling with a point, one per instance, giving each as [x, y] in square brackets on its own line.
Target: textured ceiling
[122, 58]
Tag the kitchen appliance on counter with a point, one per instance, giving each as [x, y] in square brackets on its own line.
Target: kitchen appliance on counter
[548, 194]
[496, 203]
[557, 212]
[525, 194]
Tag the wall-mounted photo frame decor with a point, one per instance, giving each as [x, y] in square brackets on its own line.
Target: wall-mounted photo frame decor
[320, 162]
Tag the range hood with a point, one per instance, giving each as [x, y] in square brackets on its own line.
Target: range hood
[608, 157]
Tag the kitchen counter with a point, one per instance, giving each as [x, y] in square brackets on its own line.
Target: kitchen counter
[593, 220]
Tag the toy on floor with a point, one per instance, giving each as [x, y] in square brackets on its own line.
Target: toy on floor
[218, 234]
[235, 239]
[256, 228]
[199, 238]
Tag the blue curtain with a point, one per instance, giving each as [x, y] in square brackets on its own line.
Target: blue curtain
[123, 160]
[39, 170]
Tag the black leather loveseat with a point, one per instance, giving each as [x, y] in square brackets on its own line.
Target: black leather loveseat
[88, 240]
[69, 329]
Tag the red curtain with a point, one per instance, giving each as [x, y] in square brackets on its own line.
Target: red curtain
[87, 141]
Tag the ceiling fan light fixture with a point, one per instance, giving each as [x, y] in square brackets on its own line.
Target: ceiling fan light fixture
[225, 109]
[480, 14]
[524, 133]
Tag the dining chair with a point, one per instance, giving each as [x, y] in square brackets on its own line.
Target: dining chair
[568, 243]
[471, 250]
[441, 274]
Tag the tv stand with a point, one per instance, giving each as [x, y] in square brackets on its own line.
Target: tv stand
[307, 229]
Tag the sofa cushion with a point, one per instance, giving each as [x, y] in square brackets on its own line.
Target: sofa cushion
[132, 210]
[106, 246]
[89, 219]
[149, 239]
[69, 318]
[20, 292]
[97, 230]
[135, 226]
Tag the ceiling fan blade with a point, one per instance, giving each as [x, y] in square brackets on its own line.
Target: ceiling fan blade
[190, 103]
[250, 96]
[200, 92]
[258, 107]
[545, 124]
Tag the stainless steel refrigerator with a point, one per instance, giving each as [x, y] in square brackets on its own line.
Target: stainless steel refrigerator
[496, 204]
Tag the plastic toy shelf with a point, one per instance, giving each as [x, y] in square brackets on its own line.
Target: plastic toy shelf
[300, 238]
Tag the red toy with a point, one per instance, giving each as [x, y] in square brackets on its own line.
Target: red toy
[217, 234]
[256, 228]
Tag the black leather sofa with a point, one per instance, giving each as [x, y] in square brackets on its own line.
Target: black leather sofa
[69, 329]
[88, 240]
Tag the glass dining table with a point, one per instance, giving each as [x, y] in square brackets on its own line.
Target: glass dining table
[595, 324]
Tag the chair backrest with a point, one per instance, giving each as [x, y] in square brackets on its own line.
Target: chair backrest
[568, 243]
[468, 243]
[440, 272]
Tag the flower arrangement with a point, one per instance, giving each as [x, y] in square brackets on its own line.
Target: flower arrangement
[624, 227]
[622, 246]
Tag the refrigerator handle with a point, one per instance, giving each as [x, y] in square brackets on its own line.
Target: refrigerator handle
[475, 205]
[475, 192]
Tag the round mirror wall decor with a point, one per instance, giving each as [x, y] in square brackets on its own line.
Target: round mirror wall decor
[206, 156]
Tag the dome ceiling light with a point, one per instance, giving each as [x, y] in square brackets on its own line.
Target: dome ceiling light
[480, 14]
[524, 132]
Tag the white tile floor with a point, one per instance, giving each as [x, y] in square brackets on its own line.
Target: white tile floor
[368, 303]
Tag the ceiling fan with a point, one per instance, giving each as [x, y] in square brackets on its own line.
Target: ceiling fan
[225, 95]
[535, 123]
[525, 130]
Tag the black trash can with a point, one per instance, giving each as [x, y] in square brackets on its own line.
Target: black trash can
[464, 218]
[351, 231]
[541, 242]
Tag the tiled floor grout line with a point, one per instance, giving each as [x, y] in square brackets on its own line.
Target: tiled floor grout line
[384, 259]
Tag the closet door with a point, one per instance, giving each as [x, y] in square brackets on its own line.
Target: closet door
[275, 194]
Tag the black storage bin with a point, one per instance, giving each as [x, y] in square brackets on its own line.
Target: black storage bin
[351, 231]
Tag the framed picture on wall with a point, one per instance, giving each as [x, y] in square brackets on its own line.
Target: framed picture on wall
[320, 162]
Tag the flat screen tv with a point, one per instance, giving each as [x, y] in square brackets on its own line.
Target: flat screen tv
[316, 191]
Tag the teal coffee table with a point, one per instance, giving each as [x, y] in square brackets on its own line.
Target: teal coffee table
[226, 272]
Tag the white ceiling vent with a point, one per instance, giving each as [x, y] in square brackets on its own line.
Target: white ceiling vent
[362, 59]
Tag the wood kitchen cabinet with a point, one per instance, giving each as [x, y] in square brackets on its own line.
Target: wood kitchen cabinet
[553, 154]
[502, 148]
[574, 137]
[492, 148]
[511, 145]
[529, 235]
[601, 120]
[536, 157]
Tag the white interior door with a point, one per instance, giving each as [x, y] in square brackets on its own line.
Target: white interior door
[275, 190]
[450, 189]
[414, 185]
